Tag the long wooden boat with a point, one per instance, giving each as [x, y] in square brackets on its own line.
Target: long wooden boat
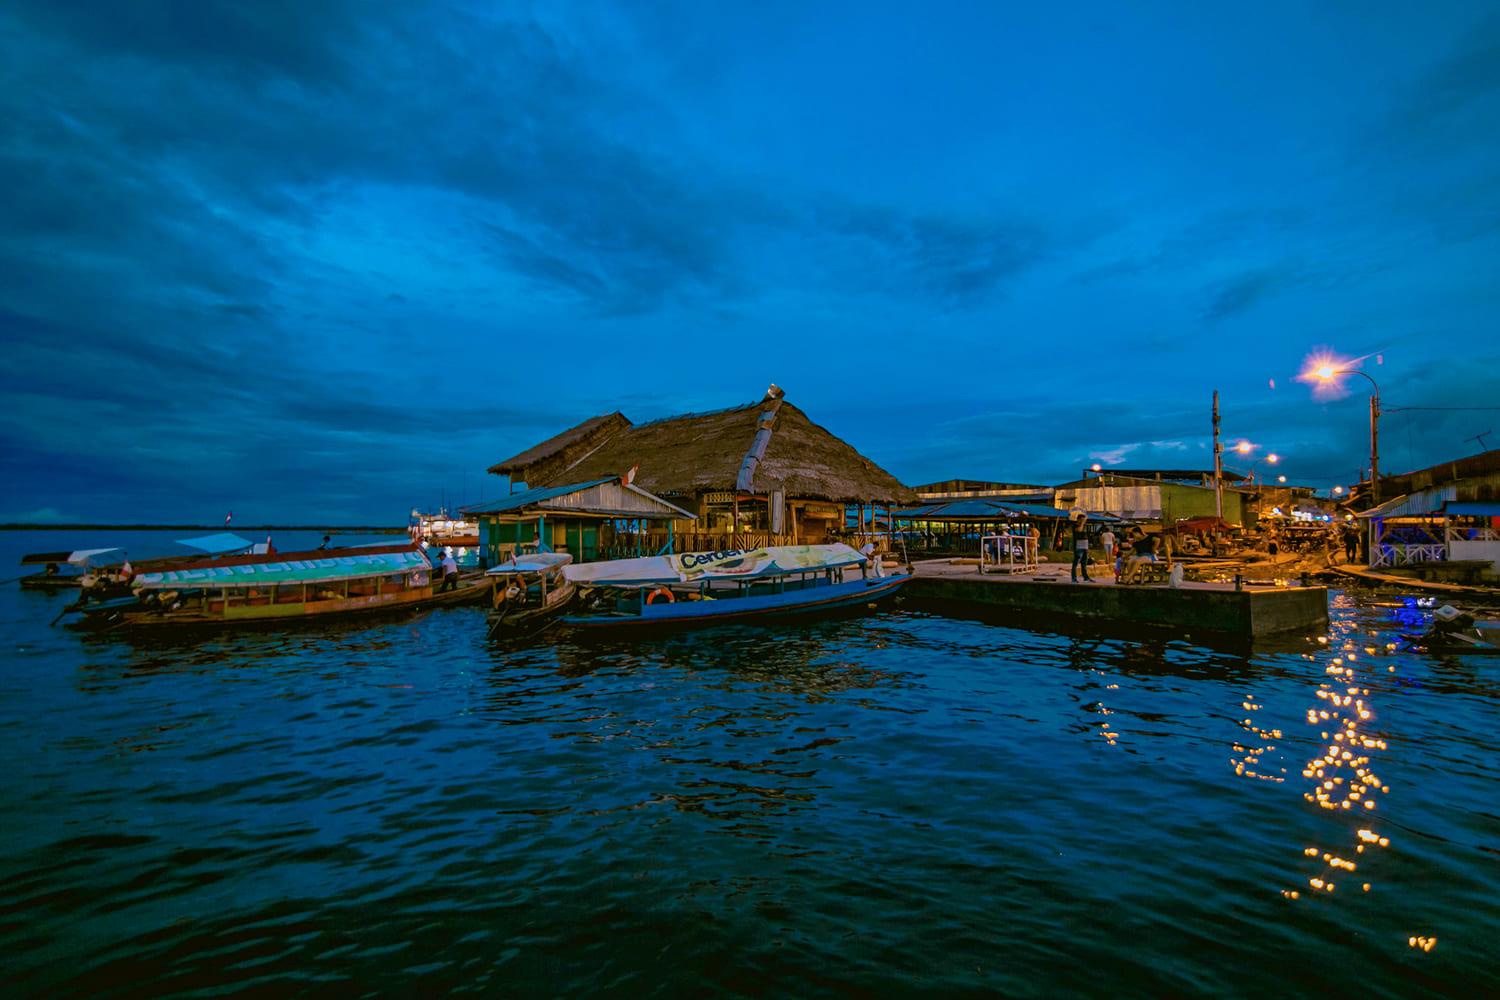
[280, 586]
[529, 593]
[703, 588]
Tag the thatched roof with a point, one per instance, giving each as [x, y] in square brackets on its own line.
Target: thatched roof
[545, 461]
[715, 452]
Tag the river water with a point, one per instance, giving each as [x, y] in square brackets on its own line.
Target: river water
[895, 804]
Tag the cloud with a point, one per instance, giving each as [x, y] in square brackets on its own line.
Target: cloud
[958, 261]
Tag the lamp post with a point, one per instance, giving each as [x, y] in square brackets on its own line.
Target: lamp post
[1327, 372]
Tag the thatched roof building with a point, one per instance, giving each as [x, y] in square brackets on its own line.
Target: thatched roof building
[766, 456]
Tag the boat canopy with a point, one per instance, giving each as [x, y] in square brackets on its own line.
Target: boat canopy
[85, 555]
[79, 556]
[264, 572]
[538, 562]
[218, 544]
[730, 564]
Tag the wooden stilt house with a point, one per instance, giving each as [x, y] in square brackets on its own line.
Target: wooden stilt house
[753, 475]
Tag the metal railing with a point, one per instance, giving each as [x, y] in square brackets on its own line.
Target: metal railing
[1394, 554]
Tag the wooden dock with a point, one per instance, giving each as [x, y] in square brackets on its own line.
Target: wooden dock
[1254, 609]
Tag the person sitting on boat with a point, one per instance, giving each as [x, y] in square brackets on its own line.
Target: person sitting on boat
[450, 571]
[327, 543]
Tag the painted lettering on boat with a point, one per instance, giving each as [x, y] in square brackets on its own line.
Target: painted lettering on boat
[696, 560]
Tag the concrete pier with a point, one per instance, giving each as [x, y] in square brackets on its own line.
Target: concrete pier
[1255, 610]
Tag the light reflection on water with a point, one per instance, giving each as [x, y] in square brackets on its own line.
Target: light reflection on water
[896, 803]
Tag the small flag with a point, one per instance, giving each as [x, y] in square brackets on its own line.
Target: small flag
[228, 516]
[629, 477]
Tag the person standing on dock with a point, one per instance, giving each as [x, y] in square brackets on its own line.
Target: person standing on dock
[1107, 541]
[1081, 548]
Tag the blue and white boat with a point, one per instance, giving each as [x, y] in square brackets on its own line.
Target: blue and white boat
[701, 588]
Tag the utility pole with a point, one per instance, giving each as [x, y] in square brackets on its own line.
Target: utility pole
[1218, 465]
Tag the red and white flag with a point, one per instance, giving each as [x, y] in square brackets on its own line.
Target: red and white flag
[629, 477]
[228, 516]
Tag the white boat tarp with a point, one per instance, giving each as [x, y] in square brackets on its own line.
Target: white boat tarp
[730, 564]
[264, 572]
[538, 562]
[84, 555]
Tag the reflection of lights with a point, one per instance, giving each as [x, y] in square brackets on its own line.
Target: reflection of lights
[1342, 776]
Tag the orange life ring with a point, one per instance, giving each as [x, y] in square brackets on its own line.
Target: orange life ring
[660, 592]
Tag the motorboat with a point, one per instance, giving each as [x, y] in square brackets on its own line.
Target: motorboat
[529, 592]
[702, 588]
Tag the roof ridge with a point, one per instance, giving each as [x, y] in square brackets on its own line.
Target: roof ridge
[705, 413]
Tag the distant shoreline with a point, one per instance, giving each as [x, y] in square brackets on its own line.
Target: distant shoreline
[381, 530]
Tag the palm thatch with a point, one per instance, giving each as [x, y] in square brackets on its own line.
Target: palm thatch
[540, 465]
[714, 452]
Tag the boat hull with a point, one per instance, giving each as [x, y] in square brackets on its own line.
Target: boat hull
[524, 619]
[130, 613]
[733, 609]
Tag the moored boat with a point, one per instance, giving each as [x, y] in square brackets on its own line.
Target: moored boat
[701, 588]
[1453, 630]
[65, 570]
[529, 593]
[279, 586]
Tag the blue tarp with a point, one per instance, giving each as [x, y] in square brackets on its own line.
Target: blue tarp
[217, 544]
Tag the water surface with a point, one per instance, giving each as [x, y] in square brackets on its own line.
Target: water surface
[901, 803]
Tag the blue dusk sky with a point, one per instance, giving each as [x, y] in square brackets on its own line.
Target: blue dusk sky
[323, 261]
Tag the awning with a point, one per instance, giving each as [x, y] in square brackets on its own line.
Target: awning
[1473, 509]
[1428, 503]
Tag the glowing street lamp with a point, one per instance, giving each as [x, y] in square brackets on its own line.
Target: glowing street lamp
[1245, 447]
[1326, 373]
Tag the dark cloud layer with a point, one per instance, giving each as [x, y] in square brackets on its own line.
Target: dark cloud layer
[322, 256]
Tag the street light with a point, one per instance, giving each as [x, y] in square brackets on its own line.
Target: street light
[1245, 447]
[1326, 373]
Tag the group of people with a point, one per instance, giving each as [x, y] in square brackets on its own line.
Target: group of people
[1138, 547]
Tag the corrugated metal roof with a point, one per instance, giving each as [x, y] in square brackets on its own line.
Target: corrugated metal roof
[977, 509]
[1414, 504]
[263, 573]
[526, 498]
